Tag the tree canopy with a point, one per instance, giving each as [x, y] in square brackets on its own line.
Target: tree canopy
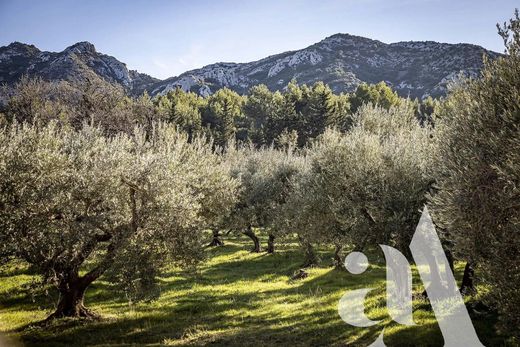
[71, 197]
[478, 173]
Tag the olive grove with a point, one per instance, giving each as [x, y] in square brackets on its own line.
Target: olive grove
[94, 183]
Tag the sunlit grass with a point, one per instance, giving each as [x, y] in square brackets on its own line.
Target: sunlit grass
[235, 298]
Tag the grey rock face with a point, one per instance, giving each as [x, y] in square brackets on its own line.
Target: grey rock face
[343, 61]
[75, 64]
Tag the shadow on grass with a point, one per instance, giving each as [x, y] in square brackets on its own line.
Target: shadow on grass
[198, 319]
[241, 299]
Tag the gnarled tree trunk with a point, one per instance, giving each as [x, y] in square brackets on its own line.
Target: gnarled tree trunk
[337, 261]
[270, 244]
[72, 293]
[451, 260]
[216, 241]
[71, 304]
[72, 287]
[311, 258]
[467, 286]
[249, 232]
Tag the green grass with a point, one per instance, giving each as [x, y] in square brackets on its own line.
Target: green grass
[235, 299]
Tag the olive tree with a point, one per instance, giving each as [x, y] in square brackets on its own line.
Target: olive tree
[404, 174]
[76, 204]
[478, 174]
[274, 186]
[297, 215]
[366, 186]
[265, 179]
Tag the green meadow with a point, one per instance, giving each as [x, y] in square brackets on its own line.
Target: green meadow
[234, 298]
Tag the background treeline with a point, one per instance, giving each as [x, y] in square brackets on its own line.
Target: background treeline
[295, 115]
[93, 183]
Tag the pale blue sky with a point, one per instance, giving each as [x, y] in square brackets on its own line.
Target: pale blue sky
[166, 38]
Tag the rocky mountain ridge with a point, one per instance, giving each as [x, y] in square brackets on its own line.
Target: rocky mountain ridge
[415, 68]
[75, 64]
[343, 61]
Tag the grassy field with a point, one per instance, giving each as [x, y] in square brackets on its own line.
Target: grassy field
[236, 298]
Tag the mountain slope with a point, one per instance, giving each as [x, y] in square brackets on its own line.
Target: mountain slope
[76, 63]
[344, 61]
[417, 69]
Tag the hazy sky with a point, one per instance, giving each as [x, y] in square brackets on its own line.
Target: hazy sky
[166, 38]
